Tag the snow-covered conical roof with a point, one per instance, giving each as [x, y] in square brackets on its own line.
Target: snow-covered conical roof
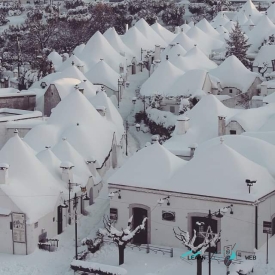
[78, 49]
[271, 12]
[185, 41]
[197, 56]
[115, 40]
[31, 187]
[191, 24]
[98, 47]
[65, 86]
[102, 73]
[249, 10]
[68, 63]
[262, 30]
[75, 108]
[66, 152]
[225, 173]
[220, 20]
[266, 136]
[173, 51]
[51, 162]
[162, 78]
[232, 73]
[241, 18]
[150, 167]
[163, 32]
[204, 41]
[55, 58]
[89, 88]
[72, 72]
[184, 64]
[90, 141]
[185, 27]
[265, 55]
[263, 153]
[43, 135]
[206, 27]
[136, 41]
[203, 125]
[230, 25]
[112, 114]
[188, 83]
[149, 33]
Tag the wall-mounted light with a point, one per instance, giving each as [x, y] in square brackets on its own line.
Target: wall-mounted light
[112, 194]
[162, 200]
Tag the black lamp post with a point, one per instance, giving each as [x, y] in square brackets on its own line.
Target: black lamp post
[112, 194]
[70, 184]
[219, 215]
[126, 136]
[119, 84]
[250, 183]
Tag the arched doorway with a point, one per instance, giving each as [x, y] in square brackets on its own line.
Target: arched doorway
[138, 215]
[138, 211]
[202, 225]
[91, 195]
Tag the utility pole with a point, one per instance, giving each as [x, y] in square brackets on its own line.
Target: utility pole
[75, 223]
[69, 202]
[18, 61]
[126, 137]
[209, 253]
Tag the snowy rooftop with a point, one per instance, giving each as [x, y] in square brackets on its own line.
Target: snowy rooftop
[31, 187]
[205, 42]
[188, 83]
[150, 167]
[226, 172]
[185, 41]
[266, 136]
[55, 58]
[97, 48]
[162, 78]
[149, 33]
[115, 40]
[265, 55]
[203, 125]
[102, 73]
[163, 32]
[257, 150]
[232, 73]
[73, 59]
[173, 51]
[135, 40]
[261, 31]
[206, 27]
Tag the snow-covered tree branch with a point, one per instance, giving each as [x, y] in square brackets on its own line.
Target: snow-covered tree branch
[121, 237]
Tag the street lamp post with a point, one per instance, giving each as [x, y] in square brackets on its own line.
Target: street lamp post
[119, 83]
[141, 52]
[217, 214]
[75, 223]
[126, 137]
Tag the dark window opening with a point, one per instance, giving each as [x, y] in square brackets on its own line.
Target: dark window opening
[233, 132]
[230, 91]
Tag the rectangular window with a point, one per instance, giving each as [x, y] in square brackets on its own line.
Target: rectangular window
[172, 109]
[169, 216]
[113, 214]
[230, 91]
[233, 132]
[36, 225]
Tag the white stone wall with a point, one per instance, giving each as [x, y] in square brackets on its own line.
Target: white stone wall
[234, 125]
[161, 231]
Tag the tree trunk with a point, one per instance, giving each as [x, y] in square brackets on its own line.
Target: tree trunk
[121, 254]
[199, 265]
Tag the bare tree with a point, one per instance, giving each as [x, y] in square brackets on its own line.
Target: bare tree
[123, 237]
[210, 239]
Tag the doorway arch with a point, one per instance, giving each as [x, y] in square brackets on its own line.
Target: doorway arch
[138, 211]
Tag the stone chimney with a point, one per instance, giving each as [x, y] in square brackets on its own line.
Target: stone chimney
[157, 52]
[192, 149]
[182, 124]
[155, 139]
[67, 172]
[101, 110]
[221, 126]
[177, 30]
[92, 165]
[4, 173]
[126, 27]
